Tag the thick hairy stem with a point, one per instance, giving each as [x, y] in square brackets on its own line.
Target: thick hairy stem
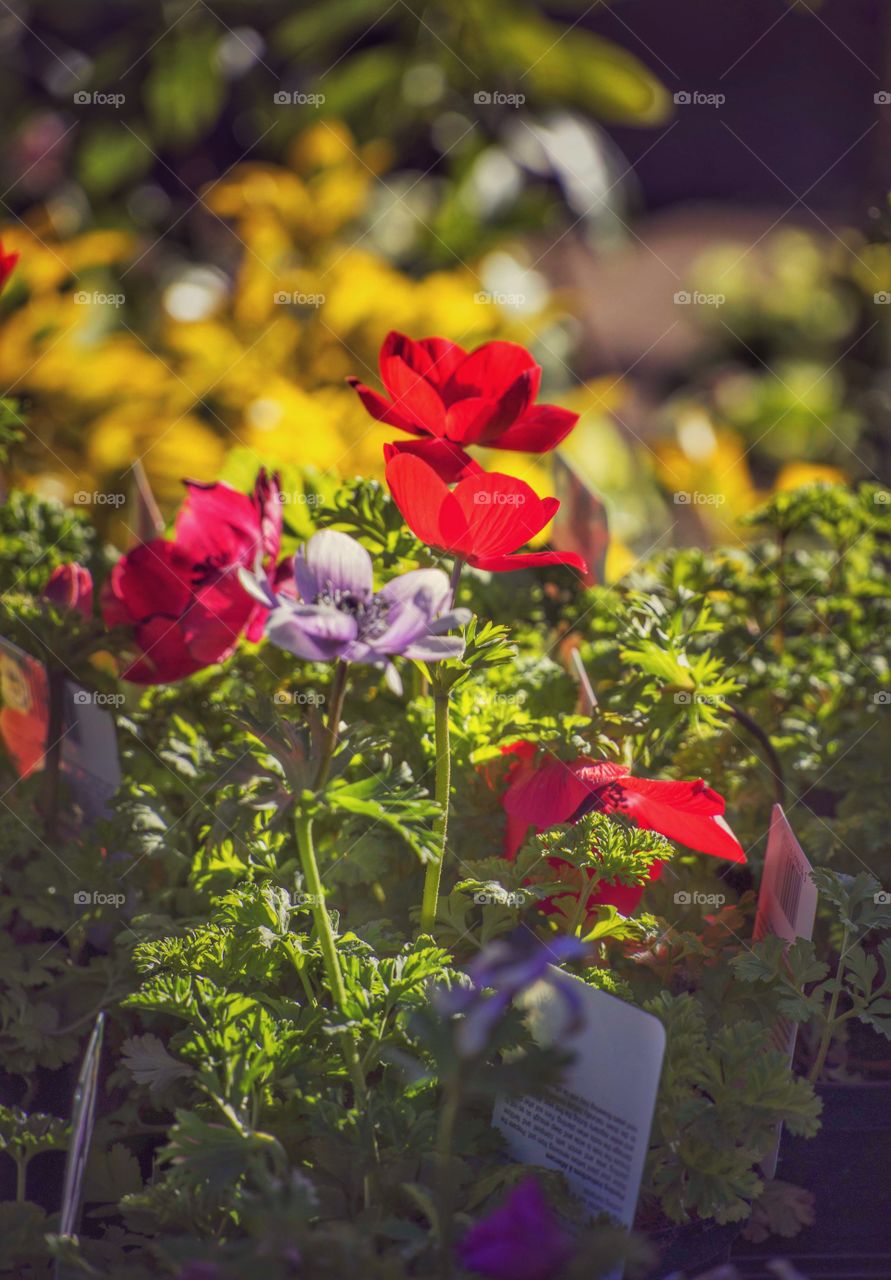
[325, 934]
[433, 875]
[773, 761]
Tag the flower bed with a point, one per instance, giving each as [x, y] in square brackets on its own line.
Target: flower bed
[365, 813]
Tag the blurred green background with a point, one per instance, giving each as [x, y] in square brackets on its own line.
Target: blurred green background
[682, 212]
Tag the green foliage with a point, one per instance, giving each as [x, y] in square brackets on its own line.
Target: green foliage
[702, 656]
[251, 1114]
[803, 986]
[722, 1096]
[37, 535]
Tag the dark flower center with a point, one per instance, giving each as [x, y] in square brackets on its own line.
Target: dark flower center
[370, 615]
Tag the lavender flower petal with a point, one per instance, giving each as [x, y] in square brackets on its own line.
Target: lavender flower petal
[316, 633]
[333, 563]
[432, 648]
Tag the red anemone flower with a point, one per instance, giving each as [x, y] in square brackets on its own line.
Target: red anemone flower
[183, 598]
[450, 398]
[558, 791]
[483, 520]
[70, 586]
[7, 265]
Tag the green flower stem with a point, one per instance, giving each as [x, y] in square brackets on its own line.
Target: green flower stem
[455, 579]
[444, 1143]
[433, 875]
[831, 1020]
[338, 693]
[580, 914]
[325, 934]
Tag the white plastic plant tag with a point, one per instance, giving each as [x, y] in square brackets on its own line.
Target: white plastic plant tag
[594, 1128]
[787, 908]
[87, 741]
[90, 750]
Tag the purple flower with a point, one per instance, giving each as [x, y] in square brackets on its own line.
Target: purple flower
[520, 1241]
[339, 614]
[500, 972]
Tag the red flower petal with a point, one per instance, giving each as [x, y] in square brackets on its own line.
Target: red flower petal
[512, 404]
[528, 560]
[502, 512]
[445, 357]
[688, 812]
[539, 430]
[448, 460]
[491, 369]
[467, 420]
[435, 359]
[428, 507]
[414, 397]
[7, 265]
[217, 522]
[155, 577]
[383, 410]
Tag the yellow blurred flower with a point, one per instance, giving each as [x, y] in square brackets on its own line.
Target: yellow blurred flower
[795, 474]
[706, 469]
[257, 362]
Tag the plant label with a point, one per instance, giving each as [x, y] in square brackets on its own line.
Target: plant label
[88, 742]
[581, 523]
[595, 1127]
[787, 907]
[83, 1118]
[787, 900]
